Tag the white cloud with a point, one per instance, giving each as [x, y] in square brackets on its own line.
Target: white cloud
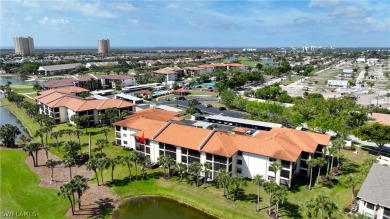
[53, 21]
[125, 6]
[134, 22]
[304, 21]
[349, 11]
[323, 3]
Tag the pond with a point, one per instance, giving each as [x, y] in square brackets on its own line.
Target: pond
[157, 207]
[5, 116]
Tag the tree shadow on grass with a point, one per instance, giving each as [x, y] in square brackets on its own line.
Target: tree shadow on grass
[249, 197]
[156, 175]
[290, 210]
[119, 182]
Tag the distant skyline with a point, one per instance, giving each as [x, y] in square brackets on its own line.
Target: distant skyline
[273, 23]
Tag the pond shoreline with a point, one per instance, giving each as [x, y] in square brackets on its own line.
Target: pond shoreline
[16, 116]
[124, 201]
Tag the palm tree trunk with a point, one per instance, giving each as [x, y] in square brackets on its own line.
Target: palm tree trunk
[79, 200]
[327, 167]
[338, 158]
[70, 172]
[311, 175]
[97, 179]
[128, 167]
[277, 209]
[112, 173]
[52, 171]
[319, 173]
[101, 176]
[331, 164]
[258, 198]
[32, 155]
[71, 204]
[36, 158]
[136, 171]
[270, 200]
[58, 146]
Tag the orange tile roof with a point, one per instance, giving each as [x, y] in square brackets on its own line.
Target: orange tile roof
[381, 118]
[235, 65]
[139, 123]
[183, 136]
[307, 141]
[77, 104]
[165, 71]
[157, 114]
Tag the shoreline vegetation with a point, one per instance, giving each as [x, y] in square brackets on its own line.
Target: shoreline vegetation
[209, 200]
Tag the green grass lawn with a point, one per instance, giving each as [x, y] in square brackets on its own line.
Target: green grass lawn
[22, 88]
[20, 191]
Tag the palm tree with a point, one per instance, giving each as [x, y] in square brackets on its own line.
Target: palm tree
[93, 164]
[127, 160]
[84, 119]
[105, 131]
[68, 132]
[78, 134]
[69, 162]
[237, 181]
[163, 161]
[276, 167]
[102, 118]
[320, 162]
[102, 164]
[351, 180]
[101, 143]
[331, 152]
[331, 208]
[70, 148]
[134, 156]
[57, 135]
[66, 190]
[24, 140]
[311, 163]
[51, 164]
[338, 143]
[8, 134]
[258, 180]
[76, 119]
[112, 162]
[206, 170]
[80, 185]
[46, 148]
[170, 163]
[181, 168]
[223, 179]
[143, 161]
[39, 133]
[280, 197]
[270, 187]
[192, 103]
[195, 168]
[30, 149]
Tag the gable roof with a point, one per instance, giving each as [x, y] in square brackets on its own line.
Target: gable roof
[184, 136]
[376, 186]
[139, 123]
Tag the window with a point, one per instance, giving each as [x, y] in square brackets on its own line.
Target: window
[209, 156]
[118, 135]
[118, 128]
[170, 147]
[118, 142]
[370, 206]
[239, 170]
[194, 153]
[148, 150]
[124, 128]
[239, 153]
[161, 152]
[239, 162]
[183, 150]
[184, 159]
[285, 174]
[219, 159]
[272, 159]
[125, 142]
[125, 135]
[161, 145]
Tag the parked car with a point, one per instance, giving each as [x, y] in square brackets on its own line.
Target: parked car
[168, 99]
[207, 105]
[222, 108]
[180, 98]
[199, 86]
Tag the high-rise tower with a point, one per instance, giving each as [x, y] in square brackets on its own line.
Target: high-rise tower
[103, 46]
[24, 46]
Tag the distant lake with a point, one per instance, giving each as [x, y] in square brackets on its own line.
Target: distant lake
[157, 207]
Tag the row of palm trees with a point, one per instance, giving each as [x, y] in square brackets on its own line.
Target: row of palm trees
[77, 185]
[320, 206]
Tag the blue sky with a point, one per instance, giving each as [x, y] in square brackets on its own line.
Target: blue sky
[252, 23]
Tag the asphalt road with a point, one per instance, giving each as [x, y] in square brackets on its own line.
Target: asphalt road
[209, 110]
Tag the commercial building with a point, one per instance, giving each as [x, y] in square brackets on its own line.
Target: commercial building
[61, 106]
[338, 83]
[24, 46]
[103, 46]
[237, 154]
[50, 70]
[374, 198]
